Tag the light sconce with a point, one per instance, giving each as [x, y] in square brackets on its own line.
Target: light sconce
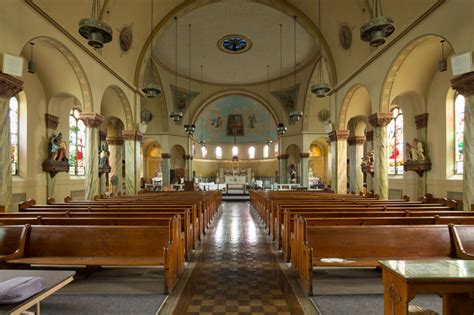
[296, 115]
[281, 129]
[176, 116]
[189, 129]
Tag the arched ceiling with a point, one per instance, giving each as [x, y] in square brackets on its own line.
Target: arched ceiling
[257, 22]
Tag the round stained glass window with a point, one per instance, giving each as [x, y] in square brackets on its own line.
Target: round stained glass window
[234, 44]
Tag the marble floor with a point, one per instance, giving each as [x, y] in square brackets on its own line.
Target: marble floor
[237, 272]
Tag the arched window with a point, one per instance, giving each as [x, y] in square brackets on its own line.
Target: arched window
[14, 133]
[252, 152]
[459, 109]
[266, 151]
[235, 151]
[218, 153]
[204, 151]
[77, 132]
[276, 149]
[395, 148]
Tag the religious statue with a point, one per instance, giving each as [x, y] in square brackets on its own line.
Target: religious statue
[252, 120]
[415, 151]
[368, 159]
[104, 157]
[57, 148]
[292, 174]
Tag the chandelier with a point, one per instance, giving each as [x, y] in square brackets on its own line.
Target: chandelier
[176, 116]
[321, 88]
[281, 129]
[150, 88]
[378, 28]
[295, 115]
[95, 31]
[189, 129]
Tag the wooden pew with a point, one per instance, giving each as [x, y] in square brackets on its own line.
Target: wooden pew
[363, 246]
[12, 241]
[122, 246]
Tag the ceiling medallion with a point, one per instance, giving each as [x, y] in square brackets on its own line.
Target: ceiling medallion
[125, 38]
[234, 44]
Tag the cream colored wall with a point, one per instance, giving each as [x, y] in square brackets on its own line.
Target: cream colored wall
[209, 168]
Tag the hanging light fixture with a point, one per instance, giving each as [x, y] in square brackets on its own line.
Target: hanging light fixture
[150, 88]
[269, 141]
[281, 128]
[94, 30]
[202, 142]
[321, 89]
[31, 64]
[295, 115]
[176, 116]
[443, 62]
[378, 28]
[189, 129]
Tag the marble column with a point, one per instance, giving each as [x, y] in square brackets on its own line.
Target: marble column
[421, 122]
[165, 169]
[188, 164]
[9, 87]
[369, 146]
[51, 127]
[115, 160]
[132, 161]
[338, 140]
[464, 84]
[380, 121]
[304, 180]
[283, 168]
[92, 181]
[356, 152]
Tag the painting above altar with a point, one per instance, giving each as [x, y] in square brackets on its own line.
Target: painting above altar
[237, 116]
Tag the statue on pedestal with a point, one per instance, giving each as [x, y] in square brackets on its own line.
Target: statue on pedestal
[292, 171]
[415, 151]
[57, 148]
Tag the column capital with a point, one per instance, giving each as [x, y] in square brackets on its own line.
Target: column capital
[369, 135]
[421, 121]
[132, 135]
[102, 135]
[380, 119]
[304, 155]
[283, 156]
[338, 135]
[9, 86]
[92, 120]
[165, 155]
[464, 84]
[114, 140]
[355, 140]
[51, 121]
[187, 157]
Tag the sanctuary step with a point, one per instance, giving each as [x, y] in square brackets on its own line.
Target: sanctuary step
[235, 197]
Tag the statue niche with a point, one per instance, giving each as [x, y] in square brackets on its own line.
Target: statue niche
[57, 160]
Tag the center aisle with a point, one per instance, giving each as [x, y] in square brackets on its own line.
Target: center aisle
[237, 272]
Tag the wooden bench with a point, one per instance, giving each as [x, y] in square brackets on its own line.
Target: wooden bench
[363, 246]
[121, 246]
[12, 241]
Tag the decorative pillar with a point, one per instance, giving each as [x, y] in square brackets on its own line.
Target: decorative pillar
[51, 127]
[132, 140]
[380, 121]
[188, 164]
[92, 182]
[464, 85]
[356, 151]
[102, 176]
[421, 122]
[369, 146]
[9, 87]
[283, 168]
[115, 145]
[165, 169]
[304, 180]
[338, 140]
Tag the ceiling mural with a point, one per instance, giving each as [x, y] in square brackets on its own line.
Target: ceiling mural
[288, 97]
[182, 98]
[237, 116]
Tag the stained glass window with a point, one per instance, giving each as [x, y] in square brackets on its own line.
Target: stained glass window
[266, 151]
[218, 153]
[395, 147]
[77, 133]
[459, 109]
[14, 121]
[252, 152]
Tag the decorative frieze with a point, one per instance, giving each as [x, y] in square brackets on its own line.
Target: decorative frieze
[132, 135]
[464, 84]
[92, 120]
[369, 135]
[354, 140]
[9, 86]
[338, 135]
[421, 121]
[51, 121]
[115, 141]
[380, 119]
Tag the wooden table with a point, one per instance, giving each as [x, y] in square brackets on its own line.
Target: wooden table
[53, 281]
[453, 280]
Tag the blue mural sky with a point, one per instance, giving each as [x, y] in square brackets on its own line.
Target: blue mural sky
[237, 115]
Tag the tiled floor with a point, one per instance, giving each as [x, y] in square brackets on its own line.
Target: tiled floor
[237, 272]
